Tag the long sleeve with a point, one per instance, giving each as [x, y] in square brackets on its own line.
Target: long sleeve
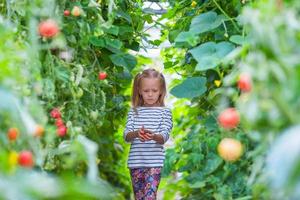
[149, 153]
[167, 124]
[129, 124]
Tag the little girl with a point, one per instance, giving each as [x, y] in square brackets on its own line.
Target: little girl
[148, 126]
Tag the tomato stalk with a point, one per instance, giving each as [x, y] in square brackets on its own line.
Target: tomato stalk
[231, 19]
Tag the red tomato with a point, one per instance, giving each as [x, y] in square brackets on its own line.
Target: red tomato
[66, 13]
[25, 159]
[244, 83]
[102, 75]
[230, 149]
[61, 131]
[59, 122]
[48, 28]
[13, 134]
[55, 113]
[229, 118]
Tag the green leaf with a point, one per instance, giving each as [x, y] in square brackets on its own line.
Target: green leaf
[168, 65]
[134, 46]
[143, 60]
[210, 54]
[124, 15]
[173, 34]
[186, 39]
[198, 184]
[190, 88]
[72, 39]
[155, 42]
[98, 42]
[125, 29]
[205, 22]
[196, 158]
[148, 19]
[114, 43]
[238, 39]
[123, 59]
[106, 42]
[62, 74]
[114, 30]
[211, 123]
[49, 88]
[212, 164]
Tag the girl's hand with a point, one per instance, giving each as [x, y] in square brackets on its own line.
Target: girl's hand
[145, 135]
[149, 134]
[141, 134]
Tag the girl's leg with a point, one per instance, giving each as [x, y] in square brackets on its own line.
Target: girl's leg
[138, 182]
[152, 180]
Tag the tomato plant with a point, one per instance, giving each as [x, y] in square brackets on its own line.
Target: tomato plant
[66, 71]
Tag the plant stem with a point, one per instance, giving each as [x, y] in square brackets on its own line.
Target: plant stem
[8, 9]
[231, 19]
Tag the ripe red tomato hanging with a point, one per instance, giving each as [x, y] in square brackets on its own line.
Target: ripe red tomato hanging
[67, 13]
[61, 131]
[55, 113]
[25, 159]
[48, 28]
[244, 83]
[102, 75]
[59, 122]
[229, 118]
[13, 134]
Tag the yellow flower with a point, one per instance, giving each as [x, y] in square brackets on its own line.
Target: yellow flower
[194, 4]
[217, 83]
[13, 158]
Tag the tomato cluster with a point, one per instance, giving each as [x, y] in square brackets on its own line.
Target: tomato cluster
[61, 127]
[231, 149]
[24, 158]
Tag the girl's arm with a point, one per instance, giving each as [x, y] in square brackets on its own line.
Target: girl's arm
[131, 135]
[136, 134]
[158, 138]
[149, 135]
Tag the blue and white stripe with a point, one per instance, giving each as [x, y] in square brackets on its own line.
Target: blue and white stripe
[148, 153]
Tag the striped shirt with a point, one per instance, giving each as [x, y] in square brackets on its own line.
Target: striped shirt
[148, 153]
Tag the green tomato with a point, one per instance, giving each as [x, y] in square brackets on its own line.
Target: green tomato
[94, 115]
[79, 93]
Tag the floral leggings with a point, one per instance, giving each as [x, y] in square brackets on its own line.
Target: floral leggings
[145, 182]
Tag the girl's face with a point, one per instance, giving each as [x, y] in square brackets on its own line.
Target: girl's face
[150, 91]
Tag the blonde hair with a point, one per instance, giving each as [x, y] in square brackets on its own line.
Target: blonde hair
[137, 99]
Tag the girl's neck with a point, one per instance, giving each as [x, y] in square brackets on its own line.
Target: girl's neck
[153, 105]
